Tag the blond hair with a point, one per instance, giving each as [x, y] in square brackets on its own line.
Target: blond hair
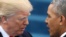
[8, 7]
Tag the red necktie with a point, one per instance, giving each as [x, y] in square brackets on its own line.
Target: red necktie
[11, 36]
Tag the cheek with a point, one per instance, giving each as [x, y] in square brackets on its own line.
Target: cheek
[53, 23]
[20, 23]
[15, 24]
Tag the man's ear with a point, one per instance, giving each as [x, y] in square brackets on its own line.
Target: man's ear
[3, 18]
[62, 19]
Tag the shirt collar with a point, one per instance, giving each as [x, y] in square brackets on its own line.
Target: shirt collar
[63, 34]
[4, 34]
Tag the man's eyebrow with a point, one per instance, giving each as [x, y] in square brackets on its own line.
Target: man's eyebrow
[22, 18]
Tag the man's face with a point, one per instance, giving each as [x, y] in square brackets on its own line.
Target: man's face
[18, 22]
[53, 21]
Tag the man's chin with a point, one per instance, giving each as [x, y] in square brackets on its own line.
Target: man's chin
[52, 34]
[20, 32]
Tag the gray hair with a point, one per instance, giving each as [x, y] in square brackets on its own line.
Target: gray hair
[59, 7]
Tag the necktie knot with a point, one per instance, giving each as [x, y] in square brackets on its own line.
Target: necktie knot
[11, 36]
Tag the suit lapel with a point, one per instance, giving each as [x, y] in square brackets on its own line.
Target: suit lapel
[15, 36]
[65, 36]
[1, 35]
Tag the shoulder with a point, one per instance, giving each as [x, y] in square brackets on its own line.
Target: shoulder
[26, 34]
[63, 35]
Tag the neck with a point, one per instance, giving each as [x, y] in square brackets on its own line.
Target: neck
[59, 32]
[56, 35]
[62, 30]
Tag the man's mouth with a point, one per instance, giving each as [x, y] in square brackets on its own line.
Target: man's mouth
[23, 28]
[48, 28]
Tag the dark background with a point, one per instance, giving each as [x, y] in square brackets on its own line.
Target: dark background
[37, 26]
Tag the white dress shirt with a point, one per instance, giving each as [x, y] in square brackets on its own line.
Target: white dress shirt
[63, 34]
[4, 34]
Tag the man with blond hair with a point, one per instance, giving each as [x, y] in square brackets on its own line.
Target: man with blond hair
[14, 17]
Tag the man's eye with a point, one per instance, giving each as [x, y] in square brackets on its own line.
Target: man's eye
[48, 16]
[21, 19]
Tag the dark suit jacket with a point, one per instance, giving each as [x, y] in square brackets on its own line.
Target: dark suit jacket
[65, 36]
[25, 34]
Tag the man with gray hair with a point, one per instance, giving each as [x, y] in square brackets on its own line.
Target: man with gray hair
[56, 18]
[14, 17]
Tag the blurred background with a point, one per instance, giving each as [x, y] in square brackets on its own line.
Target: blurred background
[37, 26]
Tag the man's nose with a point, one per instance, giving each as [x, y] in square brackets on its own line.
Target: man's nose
[26, 22]
[46, 20]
